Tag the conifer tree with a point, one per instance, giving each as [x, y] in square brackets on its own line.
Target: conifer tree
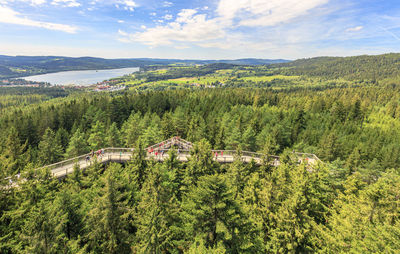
[77, 145]
[113, 138]
[212, 214]
[11, 160]
[131, 129]
[97, 136]
[50, 150]
[200, 162]
[106, 224]
[158, 218]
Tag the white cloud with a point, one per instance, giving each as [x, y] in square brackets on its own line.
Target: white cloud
[10, 16]
[188, 27]
[391, 33]
[185, 15]
[354, 29]
[66, 3]
[128, 4]
[38, 2]
[32, 2]
[191, 25]
[121, 21]
[168, 4]
[120, 32]
[266, 13]
[168, 17]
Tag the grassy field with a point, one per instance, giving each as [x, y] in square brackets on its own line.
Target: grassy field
[269, 78]
[236, 77]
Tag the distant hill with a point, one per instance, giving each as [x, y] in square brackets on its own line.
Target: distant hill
[375, 68]
[20, 66]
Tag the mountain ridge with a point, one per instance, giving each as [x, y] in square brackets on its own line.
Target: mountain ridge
[22, 66]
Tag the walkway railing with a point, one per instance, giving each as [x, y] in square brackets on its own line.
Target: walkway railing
[124, 154]
[63, 168]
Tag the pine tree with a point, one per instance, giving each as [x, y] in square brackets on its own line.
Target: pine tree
[97, 136]
[77, 145]
[11, 157]
[200, 162]
[212, 214]
[39, 230]
[131, 129]
[138, 165]
[233, 139]
[50, 150]
[113, 138]
[106, 224]
[66, 214]
[158, 218]
[62, 137]
[249, 139]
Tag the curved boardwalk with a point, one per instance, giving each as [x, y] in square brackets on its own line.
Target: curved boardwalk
[159, 152]
[122, 155]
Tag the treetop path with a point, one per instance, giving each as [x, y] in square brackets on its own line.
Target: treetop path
[159, 152]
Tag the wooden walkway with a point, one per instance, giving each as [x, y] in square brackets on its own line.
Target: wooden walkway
[122, 155]
[159, 152]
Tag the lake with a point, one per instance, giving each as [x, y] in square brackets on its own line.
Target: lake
[81, 78]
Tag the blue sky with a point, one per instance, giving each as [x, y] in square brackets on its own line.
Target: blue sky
[199, 29]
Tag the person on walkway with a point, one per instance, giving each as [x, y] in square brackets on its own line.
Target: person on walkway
[87, 158]
[92, 153]
[102, 152]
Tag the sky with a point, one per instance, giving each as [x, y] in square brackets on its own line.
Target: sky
[199, 29]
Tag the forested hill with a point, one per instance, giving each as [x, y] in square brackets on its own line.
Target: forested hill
[376, 68]
[20, 66]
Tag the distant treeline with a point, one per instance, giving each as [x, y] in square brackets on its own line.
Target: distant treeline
[375, 68]
[192, 71]
[20, 66]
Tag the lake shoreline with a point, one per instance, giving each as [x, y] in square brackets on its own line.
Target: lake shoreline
[80, 77]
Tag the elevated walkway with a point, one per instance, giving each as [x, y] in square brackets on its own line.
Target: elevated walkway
[159, 152]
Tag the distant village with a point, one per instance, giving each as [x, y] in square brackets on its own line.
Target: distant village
[22, 82]
[108, 86]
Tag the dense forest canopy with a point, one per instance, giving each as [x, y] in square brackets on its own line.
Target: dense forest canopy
[347, 204]
[376, 68]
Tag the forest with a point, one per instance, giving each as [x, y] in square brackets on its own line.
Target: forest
[319, 72]
[22, 66]
[348, 203]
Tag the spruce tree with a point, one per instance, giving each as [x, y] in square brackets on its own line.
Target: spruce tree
[50, 151]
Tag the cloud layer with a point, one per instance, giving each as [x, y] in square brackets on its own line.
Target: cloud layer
[191, 25]
[9, 16]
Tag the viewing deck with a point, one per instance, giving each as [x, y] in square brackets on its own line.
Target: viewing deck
[159, 152]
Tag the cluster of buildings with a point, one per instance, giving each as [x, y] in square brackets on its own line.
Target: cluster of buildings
[102, 88]
[20, 82]
[212, 85]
